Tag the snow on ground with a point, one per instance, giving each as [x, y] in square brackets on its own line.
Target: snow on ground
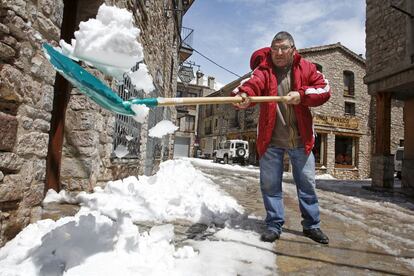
[210, 164]
[102, 238]
[380, 217]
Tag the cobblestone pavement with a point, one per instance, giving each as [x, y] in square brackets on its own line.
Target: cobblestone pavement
[370, 233]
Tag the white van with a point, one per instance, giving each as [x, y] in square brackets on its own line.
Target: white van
[230, 151]
[398, 157]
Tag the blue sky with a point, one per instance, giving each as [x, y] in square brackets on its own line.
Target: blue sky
[228, 31]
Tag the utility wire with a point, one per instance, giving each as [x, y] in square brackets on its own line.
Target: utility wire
[212, 61]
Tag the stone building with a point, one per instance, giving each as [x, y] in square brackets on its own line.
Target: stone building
[51, 136]
[343, 124]
[186, 141]
[390, 76]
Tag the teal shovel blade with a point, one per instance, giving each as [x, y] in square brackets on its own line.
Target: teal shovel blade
[87, 83]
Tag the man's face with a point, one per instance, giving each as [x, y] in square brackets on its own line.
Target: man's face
[282, 53]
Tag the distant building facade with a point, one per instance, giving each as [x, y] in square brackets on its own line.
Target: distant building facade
[390, 77]
[343, 125]
[52, 136]
[186, 142]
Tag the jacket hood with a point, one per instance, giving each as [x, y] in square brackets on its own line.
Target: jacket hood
[263, 58]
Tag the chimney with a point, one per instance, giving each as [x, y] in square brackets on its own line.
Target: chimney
[211, 82]
[199, 76]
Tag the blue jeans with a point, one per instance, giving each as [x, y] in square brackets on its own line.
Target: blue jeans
[271, 172]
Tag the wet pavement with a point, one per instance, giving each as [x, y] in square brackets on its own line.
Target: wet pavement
[370, 233]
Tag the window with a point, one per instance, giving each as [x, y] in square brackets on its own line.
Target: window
[209, 110]
[179, 93]
[345, 151]
[318, 67]
[349, 108]
[319, 150]
[192, 95]
[208, 127]
[234, 122]
[349, 83]
[215, 123]
[187, 123]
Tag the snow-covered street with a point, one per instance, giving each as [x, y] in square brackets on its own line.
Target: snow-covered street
[370, 233]
[195, 217]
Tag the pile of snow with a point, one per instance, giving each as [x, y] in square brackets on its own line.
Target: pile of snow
[210, 164]
[110, 44]
[102, 238]
[93, 244]
[177, 191]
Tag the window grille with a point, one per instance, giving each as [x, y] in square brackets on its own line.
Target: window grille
[127, 130]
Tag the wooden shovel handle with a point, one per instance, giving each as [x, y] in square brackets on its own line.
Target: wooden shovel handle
[218, 100]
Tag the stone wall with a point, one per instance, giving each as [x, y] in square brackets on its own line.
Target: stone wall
[334, 62]
[385, 35]
[26, 94]
[26, 103]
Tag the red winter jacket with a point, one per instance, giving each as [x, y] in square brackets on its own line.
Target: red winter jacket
[312, 86]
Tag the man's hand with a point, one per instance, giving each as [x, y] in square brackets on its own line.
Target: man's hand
[245, 103]
[294, 97]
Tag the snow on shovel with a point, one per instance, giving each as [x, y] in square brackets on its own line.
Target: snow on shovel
[104, 96]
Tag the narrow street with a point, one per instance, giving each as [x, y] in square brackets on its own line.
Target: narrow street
[370, 233]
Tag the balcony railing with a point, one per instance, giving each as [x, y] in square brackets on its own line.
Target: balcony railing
[187, 37]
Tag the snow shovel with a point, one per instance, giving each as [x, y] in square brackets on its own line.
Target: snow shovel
[104, 96]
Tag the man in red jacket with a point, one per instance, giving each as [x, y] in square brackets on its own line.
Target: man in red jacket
[280, 70]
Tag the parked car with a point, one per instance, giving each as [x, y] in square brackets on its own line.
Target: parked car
[398, 157]
[232, 151]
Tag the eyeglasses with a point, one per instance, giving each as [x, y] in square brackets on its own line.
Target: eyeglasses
[283, 48]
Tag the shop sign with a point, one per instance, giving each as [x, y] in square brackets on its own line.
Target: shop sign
[186, 74]
[331, 121]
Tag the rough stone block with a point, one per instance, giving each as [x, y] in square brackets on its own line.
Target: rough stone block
[80, 120]
[10, 83]
[41, 68]
[87, 138]
[10, 189]
[53, 9]
[41, 125]
[75, 168]
[8, 131]
[34, 195]
[47, 28]
[16, 24]
[6, 52]
[4, 29]
[76, 184]
[33, 143]
[10, 162]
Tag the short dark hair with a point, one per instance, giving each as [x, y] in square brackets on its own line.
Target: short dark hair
[284, 36]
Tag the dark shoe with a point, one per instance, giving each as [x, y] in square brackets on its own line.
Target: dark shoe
[269, 236]
[316, 235]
